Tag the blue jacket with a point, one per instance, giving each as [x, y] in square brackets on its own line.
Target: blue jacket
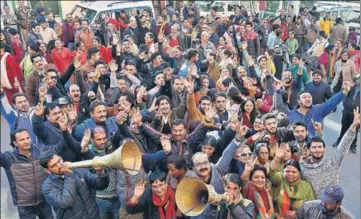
[317, 112]
[17, 119]
[71, 196]
[111, 127]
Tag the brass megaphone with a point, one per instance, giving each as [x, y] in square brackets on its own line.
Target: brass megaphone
[127, 158]
[192, 196]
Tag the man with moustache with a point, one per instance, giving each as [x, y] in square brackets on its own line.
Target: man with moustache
[320, 90]
[22, 166]
[299, 146]
[212, 174]
[321, 170]
[21, 116]
[123, 54]
[307, 112]
[34, 79]
[292, 86]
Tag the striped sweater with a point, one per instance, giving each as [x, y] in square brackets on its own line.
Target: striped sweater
[327, 171]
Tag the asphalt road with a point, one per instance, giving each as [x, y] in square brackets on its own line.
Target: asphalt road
[350, 172]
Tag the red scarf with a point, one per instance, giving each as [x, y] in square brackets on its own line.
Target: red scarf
[168, 204]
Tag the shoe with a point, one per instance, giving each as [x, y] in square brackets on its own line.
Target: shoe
[353, 150]
[335, 144]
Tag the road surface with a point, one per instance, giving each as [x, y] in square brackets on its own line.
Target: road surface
[350, 172]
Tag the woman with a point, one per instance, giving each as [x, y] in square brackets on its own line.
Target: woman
[344, 71]
[262, 152]
[222, 45]
[156, 202]
[17, 45]
[288, 155]
[226, 60]
[248, 112]
[326, 60]
[240, 208]
[43, 51]
[290, 190]
[224, 74]
[177, 170]
[6, 41]
[257, 190]
[204, 87]
[242, 156]
[83, 56]
[61, 56]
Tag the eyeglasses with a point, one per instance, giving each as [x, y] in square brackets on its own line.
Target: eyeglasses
[201, 164]
[247, 154]
[161, 186]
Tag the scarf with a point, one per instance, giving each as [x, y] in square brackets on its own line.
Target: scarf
[293, 195]
[258, 196]
[166, 207]
[331, 63]
[4, 74]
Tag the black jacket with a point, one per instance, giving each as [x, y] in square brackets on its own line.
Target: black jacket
[319, 92]
[352, 100]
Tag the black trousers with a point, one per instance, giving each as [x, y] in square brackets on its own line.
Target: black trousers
[346, 122]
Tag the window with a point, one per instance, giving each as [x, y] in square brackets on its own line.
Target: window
[50, 6]
[83, 13]
[219, 6]
[353, 17]
[204, 6]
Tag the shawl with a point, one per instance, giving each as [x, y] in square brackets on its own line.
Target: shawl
[166, 207]
[258, 197]
[291, 196]
[4, 74]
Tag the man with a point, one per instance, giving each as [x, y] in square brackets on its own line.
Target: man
[68, 191]
[158, 81]
[53, 24]
[338, 32]
[274, 38]
[350, 103]
[34, 36]
[321, 170]
[21, 167]
[12, 80]
[212, 174]
[93, 56]
[252, 39]
[319, 45]
[328, 205]
[21, 116]
[299, 146]
[319, 90]
[275, 135]
[133, 30]
[85, 35]
[34, 79]
[124, 54]
[182, 11]
[214, 68]
[9, 19]
[205, 46]
[24, 17]
[68, 32]
[298, 65]
[292, 86]
[308, 112]
[354, 55]
[192, 58]
[221, 106]
[48, 34]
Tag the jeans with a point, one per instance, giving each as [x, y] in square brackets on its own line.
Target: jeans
[108, 209]
[42, 210]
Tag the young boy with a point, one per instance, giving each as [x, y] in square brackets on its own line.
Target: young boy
[292, 43]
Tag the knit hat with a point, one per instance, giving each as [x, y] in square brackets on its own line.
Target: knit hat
[332, 194]
[166, 65]
[210, 140]
[12, 31]
[261, 57]
[338, 20]
[143, 48]
[34, 47]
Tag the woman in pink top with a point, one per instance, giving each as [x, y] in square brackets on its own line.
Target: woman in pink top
[61, 56]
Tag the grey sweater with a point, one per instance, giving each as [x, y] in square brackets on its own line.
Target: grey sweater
[327, 171]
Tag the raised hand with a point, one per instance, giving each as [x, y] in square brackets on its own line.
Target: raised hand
[42, 92]
[121, 117]
[257, 136]
[210, 114]
[280, 152]
[250, 61]
[39, 109]
[72, 113]
[317, 126]
[77, 63]
[137, 117]
[234, 122]
[250, 164]
[242, 131]
[244, 45]
[139, 188]
[194, 34]
[63, 123]
[153, 107]
[113, 66]
[189, 85]
[166, 145]
[356, 119]
[140, 94]
[85, 141]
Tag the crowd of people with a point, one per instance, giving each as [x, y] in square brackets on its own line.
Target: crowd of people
[236, 101]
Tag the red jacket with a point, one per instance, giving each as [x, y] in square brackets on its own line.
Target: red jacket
[18, 50]
[285, 32]
[105, 54]
[13, 71]
[62, 59]
[115, 23]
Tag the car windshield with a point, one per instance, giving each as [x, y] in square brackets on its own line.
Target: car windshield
[204, 5]
[83, 13]
[353, 17]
